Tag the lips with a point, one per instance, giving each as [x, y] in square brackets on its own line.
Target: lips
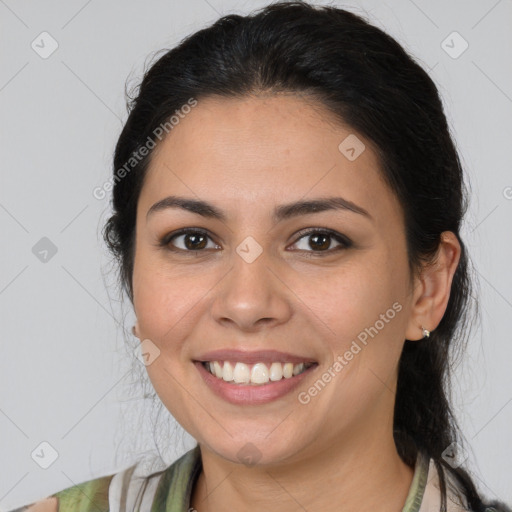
[260, 356]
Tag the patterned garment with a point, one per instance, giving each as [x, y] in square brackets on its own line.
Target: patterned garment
[170, 490]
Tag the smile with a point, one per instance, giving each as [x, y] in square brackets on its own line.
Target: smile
[255, 377]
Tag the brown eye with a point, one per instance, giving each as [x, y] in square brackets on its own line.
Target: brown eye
[321, 241]
[194, 241]
[188, 240]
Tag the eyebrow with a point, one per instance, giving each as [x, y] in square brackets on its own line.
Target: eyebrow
[280, 213]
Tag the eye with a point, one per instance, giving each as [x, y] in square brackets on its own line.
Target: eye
[320, 240]
[190, 239]
[196, 240]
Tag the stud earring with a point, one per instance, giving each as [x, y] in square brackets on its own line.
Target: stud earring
[426, 332]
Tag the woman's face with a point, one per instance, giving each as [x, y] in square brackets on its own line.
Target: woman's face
[265, 283]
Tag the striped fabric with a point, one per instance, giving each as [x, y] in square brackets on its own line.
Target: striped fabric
[170, 490]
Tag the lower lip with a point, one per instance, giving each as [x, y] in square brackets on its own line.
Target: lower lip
[246, 394]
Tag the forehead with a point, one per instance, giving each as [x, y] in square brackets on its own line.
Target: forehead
[265, 150]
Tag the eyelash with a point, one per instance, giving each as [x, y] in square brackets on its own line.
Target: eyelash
[345, 242]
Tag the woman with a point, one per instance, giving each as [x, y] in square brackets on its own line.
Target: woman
[287, 211]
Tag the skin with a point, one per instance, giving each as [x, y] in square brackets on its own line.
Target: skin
[247, 156]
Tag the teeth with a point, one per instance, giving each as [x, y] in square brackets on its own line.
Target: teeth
[276, 371]
[259, 374]
[287, 370]
[241, 373]
[217, 369]
[298, 368]
[227, 372]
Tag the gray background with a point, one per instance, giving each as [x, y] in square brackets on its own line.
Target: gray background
[65, 367]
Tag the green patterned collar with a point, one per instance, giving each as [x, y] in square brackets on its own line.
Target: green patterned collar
[174, 491]
[418, 484]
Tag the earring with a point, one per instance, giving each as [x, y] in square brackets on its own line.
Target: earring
[133, 331]
[426, 332]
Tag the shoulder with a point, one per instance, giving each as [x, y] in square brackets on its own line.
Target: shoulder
[456, 498]
[46, 505]
[129, 489]
[498, 506]
[89, 495]
[92, 495]
[457, 501]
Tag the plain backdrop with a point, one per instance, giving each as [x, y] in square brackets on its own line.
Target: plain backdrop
[66, 377]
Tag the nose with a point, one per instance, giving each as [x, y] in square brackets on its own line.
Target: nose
[251, 296]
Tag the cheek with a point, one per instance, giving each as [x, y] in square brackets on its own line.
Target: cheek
[363, 311]
[346, 300]
[163, 301]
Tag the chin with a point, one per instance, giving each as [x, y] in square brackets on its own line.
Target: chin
[250, 450]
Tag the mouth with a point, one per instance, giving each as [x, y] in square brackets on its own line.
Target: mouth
[257, 374]
[253, 378]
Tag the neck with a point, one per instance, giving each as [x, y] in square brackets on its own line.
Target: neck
[363, 474]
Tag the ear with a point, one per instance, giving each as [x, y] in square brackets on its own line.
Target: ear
[135, 329]
[432, 288]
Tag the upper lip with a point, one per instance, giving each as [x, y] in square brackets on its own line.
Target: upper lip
[253, 357]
